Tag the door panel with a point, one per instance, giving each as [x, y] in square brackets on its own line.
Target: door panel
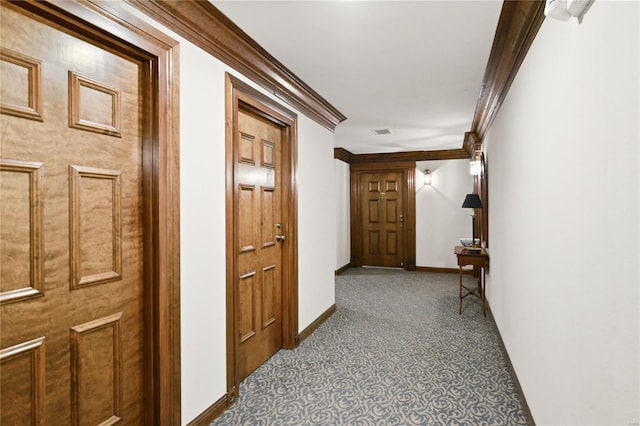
[392, 242]
[382, 219]
[259, 254]
[71, 228]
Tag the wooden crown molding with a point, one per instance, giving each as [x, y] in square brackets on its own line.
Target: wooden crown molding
[342, 154]
[517, 28]
[382, 165]
[471, 143]
[440, 154]
[204, 25]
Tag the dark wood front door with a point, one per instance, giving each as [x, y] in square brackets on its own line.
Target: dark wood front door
[382, 219]
[71, 229]
[260, 237]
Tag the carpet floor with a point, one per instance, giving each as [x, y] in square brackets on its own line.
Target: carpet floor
[395, 352]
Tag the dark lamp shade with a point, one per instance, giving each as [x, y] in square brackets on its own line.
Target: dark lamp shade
[472, 201]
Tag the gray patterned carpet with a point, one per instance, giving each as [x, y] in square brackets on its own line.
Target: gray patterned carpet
[395, 352]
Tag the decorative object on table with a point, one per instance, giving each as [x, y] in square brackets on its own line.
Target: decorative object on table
[472, 201]
[469, 242]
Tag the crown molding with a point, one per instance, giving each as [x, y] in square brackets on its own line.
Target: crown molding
[204, 25]
[440, 154]
[342, 154]
[471, 143]
[517, 28]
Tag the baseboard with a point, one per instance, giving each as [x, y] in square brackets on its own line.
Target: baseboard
[344, 268]
[443, 270]
[512, 372]
[317, 323]
[217, 408]
[210, 414]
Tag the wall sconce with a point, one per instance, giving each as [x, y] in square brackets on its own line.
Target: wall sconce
[475, 165]
[427, 177]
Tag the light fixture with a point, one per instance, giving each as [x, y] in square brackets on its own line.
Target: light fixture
[427, 177]
[563, 10]
[472, 201]
[475, 165]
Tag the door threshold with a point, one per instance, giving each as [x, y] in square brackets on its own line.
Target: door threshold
[383, 267]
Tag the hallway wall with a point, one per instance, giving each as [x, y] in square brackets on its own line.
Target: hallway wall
[202, 234]
[342, 188]
[563, 161]
[440, 219]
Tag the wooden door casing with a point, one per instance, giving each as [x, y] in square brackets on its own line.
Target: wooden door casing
[95, 247]
[251, 158]
[382, 219]
[403, 202]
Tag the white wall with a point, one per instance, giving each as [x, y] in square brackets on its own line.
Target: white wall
[202, 233]
[316, 228]
[343, 210]
[564, 164]
[440, 219]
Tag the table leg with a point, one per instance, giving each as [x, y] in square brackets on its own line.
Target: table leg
[483, 289]
[460, 285]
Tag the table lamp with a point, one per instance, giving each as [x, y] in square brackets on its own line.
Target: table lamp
[472, 201]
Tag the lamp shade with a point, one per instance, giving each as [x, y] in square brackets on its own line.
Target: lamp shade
[472, 201]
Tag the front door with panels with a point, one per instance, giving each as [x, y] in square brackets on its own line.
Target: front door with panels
[382, 219]
[71, 229]
[260, 236]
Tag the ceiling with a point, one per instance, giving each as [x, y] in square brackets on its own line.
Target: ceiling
[412, 67]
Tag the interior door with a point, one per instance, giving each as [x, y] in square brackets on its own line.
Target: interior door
[260, 237]
[71, 252]
[382, 219]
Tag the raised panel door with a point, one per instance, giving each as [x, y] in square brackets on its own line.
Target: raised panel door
[258, 211]
[71, 251]
[382, 219]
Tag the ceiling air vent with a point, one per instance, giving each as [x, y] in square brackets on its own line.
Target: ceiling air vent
[382, 132]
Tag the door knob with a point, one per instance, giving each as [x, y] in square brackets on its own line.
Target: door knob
[280, 237]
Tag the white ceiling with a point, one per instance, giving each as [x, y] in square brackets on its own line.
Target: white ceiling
[413, 67]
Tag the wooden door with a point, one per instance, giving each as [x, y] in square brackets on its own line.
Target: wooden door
[259, 239]
[71, 227]
[382, 219]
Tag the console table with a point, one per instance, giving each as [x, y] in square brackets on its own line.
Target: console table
[478, 258]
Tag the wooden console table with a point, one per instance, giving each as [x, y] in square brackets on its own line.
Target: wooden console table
[474, 258]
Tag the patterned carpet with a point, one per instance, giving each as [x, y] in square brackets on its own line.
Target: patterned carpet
[395, 352]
